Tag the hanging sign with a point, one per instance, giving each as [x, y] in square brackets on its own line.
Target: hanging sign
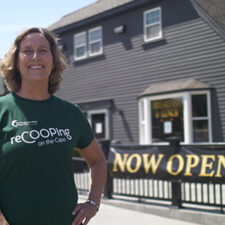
[192, 163]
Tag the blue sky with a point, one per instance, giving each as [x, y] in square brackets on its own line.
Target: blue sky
[17, 15]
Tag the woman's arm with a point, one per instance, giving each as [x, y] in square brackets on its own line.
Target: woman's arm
[2, 219]
[97, 164]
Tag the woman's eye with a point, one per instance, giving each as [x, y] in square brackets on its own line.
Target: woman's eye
[43, 50]
[27, 52]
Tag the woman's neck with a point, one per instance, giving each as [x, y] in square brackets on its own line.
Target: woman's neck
[34, 94]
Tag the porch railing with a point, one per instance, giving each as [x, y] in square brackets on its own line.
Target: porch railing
[205, 194]
[176, 193]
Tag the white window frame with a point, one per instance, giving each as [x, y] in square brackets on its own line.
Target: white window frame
[144, 121]
[209, 116]
[146, 26]
[145, 134]
[95, 41]
[81, 45]
[100, 111]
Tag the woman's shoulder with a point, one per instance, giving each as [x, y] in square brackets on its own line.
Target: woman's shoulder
[6, 99]
[6, 104]
[66, 104]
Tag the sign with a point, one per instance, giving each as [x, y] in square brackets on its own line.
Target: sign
[168, 108]
[98, 128]
[192, 163]
[168, 127]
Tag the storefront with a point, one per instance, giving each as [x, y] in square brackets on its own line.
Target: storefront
[180, 108]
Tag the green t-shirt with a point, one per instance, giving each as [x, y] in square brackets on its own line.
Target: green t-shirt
[36, 173]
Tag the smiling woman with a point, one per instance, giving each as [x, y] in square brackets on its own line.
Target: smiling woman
[35, 62]
[33, 44]
[36, 145]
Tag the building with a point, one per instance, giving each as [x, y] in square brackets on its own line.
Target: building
[146, 70]
[2, 87]
[3, 90]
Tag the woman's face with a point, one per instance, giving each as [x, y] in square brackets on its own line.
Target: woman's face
[35, 60]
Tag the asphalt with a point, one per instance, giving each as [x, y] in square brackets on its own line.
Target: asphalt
[123, 212]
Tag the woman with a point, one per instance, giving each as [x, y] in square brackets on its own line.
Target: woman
[38, 132]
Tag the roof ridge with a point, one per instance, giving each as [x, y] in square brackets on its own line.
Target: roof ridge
[95, 8]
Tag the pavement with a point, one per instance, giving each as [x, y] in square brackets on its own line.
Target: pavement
[122, 212]
[111, 215]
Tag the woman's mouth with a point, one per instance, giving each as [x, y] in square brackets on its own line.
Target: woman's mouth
[36, 67]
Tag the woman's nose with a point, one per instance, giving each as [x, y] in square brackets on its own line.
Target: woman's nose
[35, 55]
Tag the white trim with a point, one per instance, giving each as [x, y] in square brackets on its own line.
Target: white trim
[95, 41]
[81, 45]
[209, 113]
[143, 125]
[100, 111]
[188, 135]
[148, 121]
[141, 111]
[210, 116]
[145, 26]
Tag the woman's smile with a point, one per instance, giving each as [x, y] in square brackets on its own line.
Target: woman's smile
[36, 67]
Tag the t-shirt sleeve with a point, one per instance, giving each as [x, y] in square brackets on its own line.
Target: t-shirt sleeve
[86, 135]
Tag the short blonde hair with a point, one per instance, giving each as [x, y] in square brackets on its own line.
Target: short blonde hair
[9, 63]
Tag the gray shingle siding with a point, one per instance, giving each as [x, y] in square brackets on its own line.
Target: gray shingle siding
[2, 87]
[190, 49]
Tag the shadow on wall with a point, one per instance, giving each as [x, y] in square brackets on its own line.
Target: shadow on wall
[126, 126]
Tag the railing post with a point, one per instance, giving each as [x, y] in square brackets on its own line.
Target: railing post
[176, 194]
[108, 186]
[176, 185]
[108, 189]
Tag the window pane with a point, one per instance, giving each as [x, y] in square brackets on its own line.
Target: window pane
[95, 47]
[199, 105]
[80, 52]
[95, 35]
[98, 125]
[152, 31]
[152, 17]
[80, 40]
[167, 119]
[200, 131]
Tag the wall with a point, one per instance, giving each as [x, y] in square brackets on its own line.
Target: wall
[190, 48]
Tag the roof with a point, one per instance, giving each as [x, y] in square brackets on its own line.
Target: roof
[214, 8]
[93, 9]
[175, 86]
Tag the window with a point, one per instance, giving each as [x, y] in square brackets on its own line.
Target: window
[99, 120]
[80, 46]
[95, 41]
[167, 119]
[82, 49]
[186, 115]
[200, 118]
[152, 25]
